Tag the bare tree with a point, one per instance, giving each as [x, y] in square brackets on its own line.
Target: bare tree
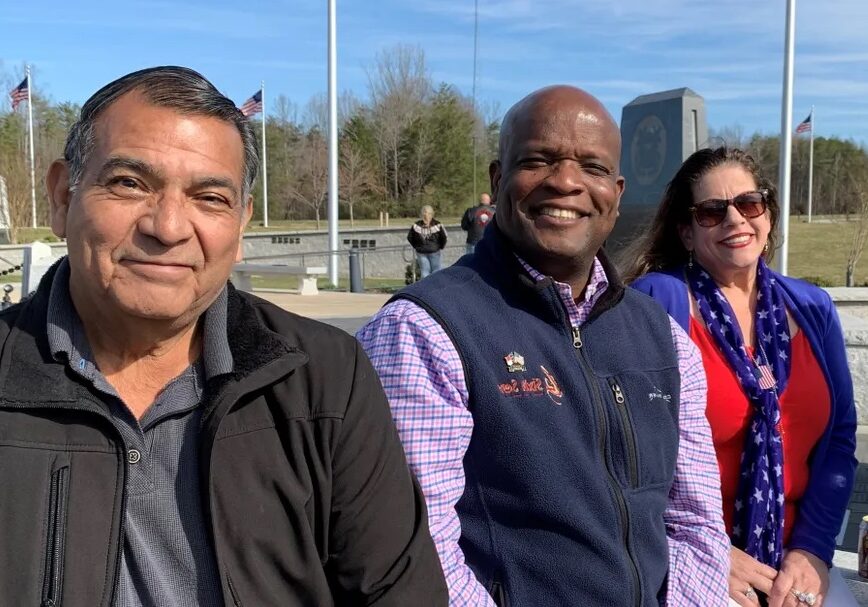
[311, 187]
[399, 86]
[357, 177]
[858, 177]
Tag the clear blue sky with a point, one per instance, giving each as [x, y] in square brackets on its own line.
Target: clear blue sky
[728, 51]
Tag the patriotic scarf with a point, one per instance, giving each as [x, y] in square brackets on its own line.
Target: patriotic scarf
[759, 507]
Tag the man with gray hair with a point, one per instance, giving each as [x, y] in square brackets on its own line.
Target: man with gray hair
[166, 439]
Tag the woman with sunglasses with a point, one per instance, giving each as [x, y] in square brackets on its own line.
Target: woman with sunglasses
[780, 396]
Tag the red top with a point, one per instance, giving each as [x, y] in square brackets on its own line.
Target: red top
[805, 409]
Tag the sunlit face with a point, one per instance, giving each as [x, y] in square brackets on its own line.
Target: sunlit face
[737, 242]
[155, 225]
[427, 215]
[557, 185]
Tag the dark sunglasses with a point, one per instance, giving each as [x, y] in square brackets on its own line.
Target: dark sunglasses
[710, 213]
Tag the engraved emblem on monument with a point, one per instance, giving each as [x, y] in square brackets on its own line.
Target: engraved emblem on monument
[648, 150]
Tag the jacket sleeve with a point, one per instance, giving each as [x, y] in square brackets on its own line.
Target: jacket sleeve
[381, 552]
[466, 223]
[442, 236]
[413, 238]
[822, 508]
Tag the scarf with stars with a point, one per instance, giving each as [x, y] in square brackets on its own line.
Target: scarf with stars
[758, 527]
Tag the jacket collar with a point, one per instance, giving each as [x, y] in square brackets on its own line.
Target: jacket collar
[498, 257]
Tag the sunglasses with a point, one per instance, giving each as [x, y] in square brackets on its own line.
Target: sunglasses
[712, 212]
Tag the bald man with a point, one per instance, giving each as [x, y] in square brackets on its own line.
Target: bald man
[554, 418]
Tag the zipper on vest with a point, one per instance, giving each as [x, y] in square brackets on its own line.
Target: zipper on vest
[603, 429]
[577, 338]
[55, 540]
[621, 406]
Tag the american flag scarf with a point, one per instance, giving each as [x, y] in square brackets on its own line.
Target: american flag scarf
[759, 509]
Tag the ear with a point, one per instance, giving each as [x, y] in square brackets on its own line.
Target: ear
[686, 234]
[494, 176]
[246, 216]
[59, 195]
[620, 186]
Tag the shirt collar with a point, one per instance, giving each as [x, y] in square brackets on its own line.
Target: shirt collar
[598, 282]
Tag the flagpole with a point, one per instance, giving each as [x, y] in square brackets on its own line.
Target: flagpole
[333, 145]
[264, 162]
[811, 166]
[786, 136]
[32, 163]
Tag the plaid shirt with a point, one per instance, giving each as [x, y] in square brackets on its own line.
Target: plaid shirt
[423, 377]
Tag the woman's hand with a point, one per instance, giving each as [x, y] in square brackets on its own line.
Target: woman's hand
[747, 576]
[800, 572]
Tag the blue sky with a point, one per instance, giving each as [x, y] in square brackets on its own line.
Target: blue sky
[728, 51]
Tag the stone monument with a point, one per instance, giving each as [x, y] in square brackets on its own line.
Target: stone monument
[658, 132]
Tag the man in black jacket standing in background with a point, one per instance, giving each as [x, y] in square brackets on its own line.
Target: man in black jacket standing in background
[166, 439]
[475, 220]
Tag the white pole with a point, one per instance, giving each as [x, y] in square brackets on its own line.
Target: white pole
[32, 162]
[475, 49]
[786, 136]
[333, 148]
[264, 163]
[811, 166]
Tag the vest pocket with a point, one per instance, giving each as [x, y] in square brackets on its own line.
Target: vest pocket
[55, 537]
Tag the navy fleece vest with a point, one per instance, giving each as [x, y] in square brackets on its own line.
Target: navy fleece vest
[575, 434]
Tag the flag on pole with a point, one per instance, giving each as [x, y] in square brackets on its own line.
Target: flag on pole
[19, 93]
[253, 105]
[805, 125]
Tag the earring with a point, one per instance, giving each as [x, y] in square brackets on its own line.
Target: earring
[690, 259]
[765, 248]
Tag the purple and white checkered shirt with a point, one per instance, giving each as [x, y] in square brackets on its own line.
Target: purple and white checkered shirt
[423, 377]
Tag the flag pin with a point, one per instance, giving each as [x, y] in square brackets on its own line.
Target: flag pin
[514, 362]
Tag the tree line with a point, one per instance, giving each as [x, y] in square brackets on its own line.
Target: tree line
[411, 142]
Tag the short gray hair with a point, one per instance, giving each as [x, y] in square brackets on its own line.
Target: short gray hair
[179, 88]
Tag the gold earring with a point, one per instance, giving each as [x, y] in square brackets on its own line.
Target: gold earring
[765, 248]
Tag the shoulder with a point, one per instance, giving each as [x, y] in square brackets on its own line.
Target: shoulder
[323, 343]
[658, 281]
[804, 292]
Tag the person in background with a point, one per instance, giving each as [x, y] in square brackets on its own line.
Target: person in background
[780, 396]
[428, 238]
[555, 419]
[166, 439]
[475, 219]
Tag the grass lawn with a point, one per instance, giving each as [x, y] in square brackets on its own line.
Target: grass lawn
[820, 250]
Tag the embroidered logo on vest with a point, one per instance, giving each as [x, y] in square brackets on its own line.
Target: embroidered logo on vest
[532, 386]
[515, 362]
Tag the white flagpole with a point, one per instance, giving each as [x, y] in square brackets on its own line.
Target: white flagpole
[32, 163]
[333, 145]
[264, 162]
[786, 136]
[811, 166]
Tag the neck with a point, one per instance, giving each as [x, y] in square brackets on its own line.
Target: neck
[576, 273]
[138, 357]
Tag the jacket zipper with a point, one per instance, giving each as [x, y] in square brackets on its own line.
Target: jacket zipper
[626, 423]
[602, 426]
[55, 542]
[233, 592]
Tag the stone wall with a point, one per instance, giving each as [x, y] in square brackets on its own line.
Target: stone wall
[385, 252]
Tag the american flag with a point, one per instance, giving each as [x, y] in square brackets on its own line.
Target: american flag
[765, 376]
[19, 93]
[805, 125]
[253, 105]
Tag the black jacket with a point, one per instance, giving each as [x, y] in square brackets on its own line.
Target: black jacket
[427, 239]
[304, 481]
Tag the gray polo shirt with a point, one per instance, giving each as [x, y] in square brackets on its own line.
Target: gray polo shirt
[168, 556]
